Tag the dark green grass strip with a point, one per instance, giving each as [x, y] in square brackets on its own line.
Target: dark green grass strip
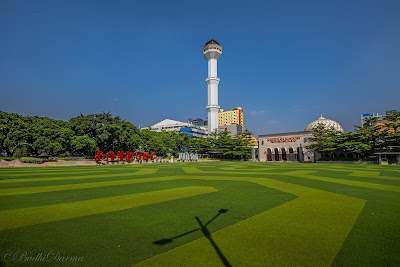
[44, 174]
[32, 182]
[73, 186]
[307, 175]
[59, 197]
[36, 215]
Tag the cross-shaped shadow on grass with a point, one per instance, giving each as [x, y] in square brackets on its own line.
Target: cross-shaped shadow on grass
[203, 228]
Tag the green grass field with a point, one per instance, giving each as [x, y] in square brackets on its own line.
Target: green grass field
[201, 214]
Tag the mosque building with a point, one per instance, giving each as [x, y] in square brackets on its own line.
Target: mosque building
[292, 146]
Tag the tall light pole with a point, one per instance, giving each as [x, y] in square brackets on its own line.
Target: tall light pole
[212, 51]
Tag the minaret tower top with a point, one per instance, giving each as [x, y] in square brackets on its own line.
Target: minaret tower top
[212, 49]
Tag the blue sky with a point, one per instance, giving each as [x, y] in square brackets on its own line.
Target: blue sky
[284, 62]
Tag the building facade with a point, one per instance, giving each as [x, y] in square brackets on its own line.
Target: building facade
[197, 121]
[290, 146]
[233, 129]
[366, 116]
[228, 117]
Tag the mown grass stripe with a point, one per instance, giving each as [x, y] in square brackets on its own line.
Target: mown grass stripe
[16, 218]
[258, 170]
[191, 170]
[23, 180]
[146, 171]
[11, 176]
[374, 174]
[306, 174]
[71, 169]
[52, 188]
[311, 229]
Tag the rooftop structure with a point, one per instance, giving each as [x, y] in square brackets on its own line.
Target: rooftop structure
[178, 126]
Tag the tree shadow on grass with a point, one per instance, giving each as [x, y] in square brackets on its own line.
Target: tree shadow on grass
[203, 228]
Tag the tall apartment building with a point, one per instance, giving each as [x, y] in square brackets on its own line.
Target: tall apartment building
[228, 117]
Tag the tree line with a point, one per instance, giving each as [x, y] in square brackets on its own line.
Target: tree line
[85, 134]
[374, 136]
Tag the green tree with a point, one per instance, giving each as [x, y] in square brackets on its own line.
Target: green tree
[83, 145]
[323, 139]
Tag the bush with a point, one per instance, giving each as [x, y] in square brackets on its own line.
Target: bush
[31, 160]
[8, 158]
[50, 160]
[371, 158]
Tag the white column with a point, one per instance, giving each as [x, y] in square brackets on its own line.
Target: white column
[212, 68]
[212, 107]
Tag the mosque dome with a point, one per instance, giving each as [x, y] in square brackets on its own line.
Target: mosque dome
[326, 122]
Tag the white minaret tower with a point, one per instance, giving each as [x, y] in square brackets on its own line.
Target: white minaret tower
[212, 51]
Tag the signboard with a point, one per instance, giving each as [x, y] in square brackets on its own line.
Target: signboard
[187, 157]
[283, 139]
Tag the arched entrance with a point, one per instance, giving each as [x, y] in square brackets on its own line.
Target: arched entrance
[269, 154]
[291, 154]
[284, 157]
[300, 155]
[276, 151]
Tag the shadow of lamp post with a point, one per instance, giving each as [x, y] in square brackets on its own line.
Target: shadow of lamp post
[203, 228]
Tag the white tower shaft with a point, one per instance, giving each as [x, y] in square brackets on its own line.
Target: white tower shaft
[212, 107]
[212, 52]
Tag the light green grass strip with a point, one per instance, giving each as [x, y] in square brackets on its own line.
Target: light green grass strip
[146, 171]
[305, 174]
[52, 188]
[372, 174]
[16, 218]
[242, 170]
[307, 231]
[234, 167]
[191, 170]
[23, 180]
